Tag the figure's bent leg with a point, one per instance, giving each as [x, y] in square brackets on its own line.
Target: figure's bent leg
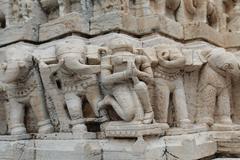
[125, 97]
[121, 101]
[180, 104]
[224, 108]
[74, 106]
[109, 100]
[144, 97]
[16, 117]
[208, 100]
[40, 110]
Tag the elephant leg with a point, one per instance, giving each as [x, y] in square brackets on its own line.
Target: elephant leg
[208, 100]
[39, 108]
[94, 96]
[224, 108]
[162, 94]
[16, 115]
[179, 102]
[144, 97]
[74, 106]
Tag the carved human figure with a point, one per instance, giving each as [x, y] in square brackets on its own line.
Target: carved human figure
[59, 8]
[217, 13]
[20, 11]
[192, 11]
[24, 87]
[78, 82]
[104, 6]
[171, 8]
[234, 17]
[123, 76]
[168, 76]
[214, 87]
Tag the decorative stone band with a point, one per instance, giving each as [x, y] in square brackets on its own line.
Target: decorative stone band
[131, 130]
[80, 85]
[168, 76]
[23, 90]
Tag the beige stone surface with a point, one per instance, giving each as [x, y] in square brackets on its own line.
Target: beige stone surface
[119, 79]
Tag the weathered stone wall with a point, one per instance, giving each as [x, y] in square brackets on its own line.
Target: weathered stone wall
[119, 79]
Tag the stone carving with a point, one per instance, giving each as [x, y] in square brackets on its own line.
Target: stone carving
[3, 110]
[192, 11]
[20, 74]
[123, 75]
[20, 11]
[51, 8]
[2, 20]
[78, 81]
[172, 6]
[59, 8]
[168, 76]
[234, 17]
[214, 87]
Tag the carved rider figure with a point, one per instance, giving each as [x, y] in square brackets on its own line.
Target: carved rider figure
[122, 76]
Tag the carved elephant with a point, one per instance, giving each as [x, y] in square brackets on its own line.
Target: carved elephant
[168, 76]
[214, 87]
[124, 76]
[24, 88]
[78, 82]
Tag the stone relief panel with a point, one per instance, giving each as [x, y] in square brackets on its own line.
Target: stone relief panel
[119, 86]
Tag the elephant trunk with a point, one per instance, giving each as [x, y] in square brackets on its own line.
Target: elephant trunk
[76, 66]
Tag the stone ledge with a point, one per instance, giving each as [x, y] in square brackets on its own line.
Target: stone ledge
[27, 32]
[138, 26]
[203, 31]
[169, 147]
[70, 23]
